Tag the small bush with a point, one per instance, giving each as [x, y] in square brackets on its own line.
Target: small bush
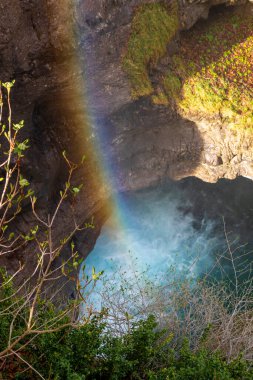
[143, 353]
[93, 351]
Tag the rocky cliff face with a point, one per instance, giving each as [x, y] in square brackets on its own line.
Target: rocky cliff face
[38, 49]
[40, 43]
[173, 146]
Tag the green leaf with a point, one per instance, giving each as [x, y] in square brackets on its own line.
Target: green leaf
[11, 235]
[21, 147]
[76, 190]
[34, 230]
[28, 237]
[18, 126]
[30, 192]
[4, 228]
[8, 85]
[63, 241]
[23, 182]
[95, 276]
[6, 135]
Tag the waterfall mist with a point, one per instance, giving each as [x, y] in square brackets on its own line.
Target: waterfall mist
[169, 228]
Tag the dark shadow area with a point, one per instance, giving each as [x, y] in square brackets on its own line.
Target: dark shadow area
[228, 199]
[148, 144]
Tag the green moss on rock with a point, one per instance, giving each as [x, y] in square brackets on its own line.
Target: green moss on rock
[173, 86]
[153, 26]
[215, 69]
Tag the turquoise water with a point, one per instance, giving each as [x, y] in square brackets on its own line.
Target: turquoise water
[158, 235]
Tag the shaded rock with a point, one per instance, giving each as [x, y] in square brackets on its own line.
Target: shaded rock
[147, 143]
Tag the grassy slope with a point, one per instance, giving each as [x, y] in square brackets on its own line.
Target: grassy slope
[153, 26]
[211, 75]
[213, 72]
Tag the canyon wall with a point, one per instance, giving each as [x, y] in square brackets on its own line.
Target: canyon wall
[59, 52]
[174, 145]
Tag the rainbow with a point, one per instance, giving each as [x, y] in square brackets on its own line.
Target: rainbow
[95, 138]
[159, 234]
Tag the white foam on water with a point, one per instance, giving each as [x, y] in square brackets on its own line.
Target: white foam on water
[155, 236]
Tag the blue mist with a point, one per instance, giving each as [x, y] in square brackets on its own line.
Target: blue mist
[157, 235]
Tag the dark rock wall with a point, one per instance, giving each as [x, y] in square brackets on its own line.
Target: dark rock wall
[38, 50]
[50, 47]
[150, 142]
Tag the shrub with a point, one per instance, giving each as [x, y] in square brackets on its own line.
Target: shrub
[28, 311]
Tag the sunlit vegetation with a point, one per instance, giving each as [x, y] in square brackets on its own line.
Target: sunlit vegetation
[213, 72]
[211, 75]
[153, 26]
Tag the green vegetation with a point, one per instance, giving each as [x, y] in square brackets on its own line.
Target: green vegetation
[92, 351]
[207, 328]
[153, 26]
[211, 75]
[215, 70]
[28, 311]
